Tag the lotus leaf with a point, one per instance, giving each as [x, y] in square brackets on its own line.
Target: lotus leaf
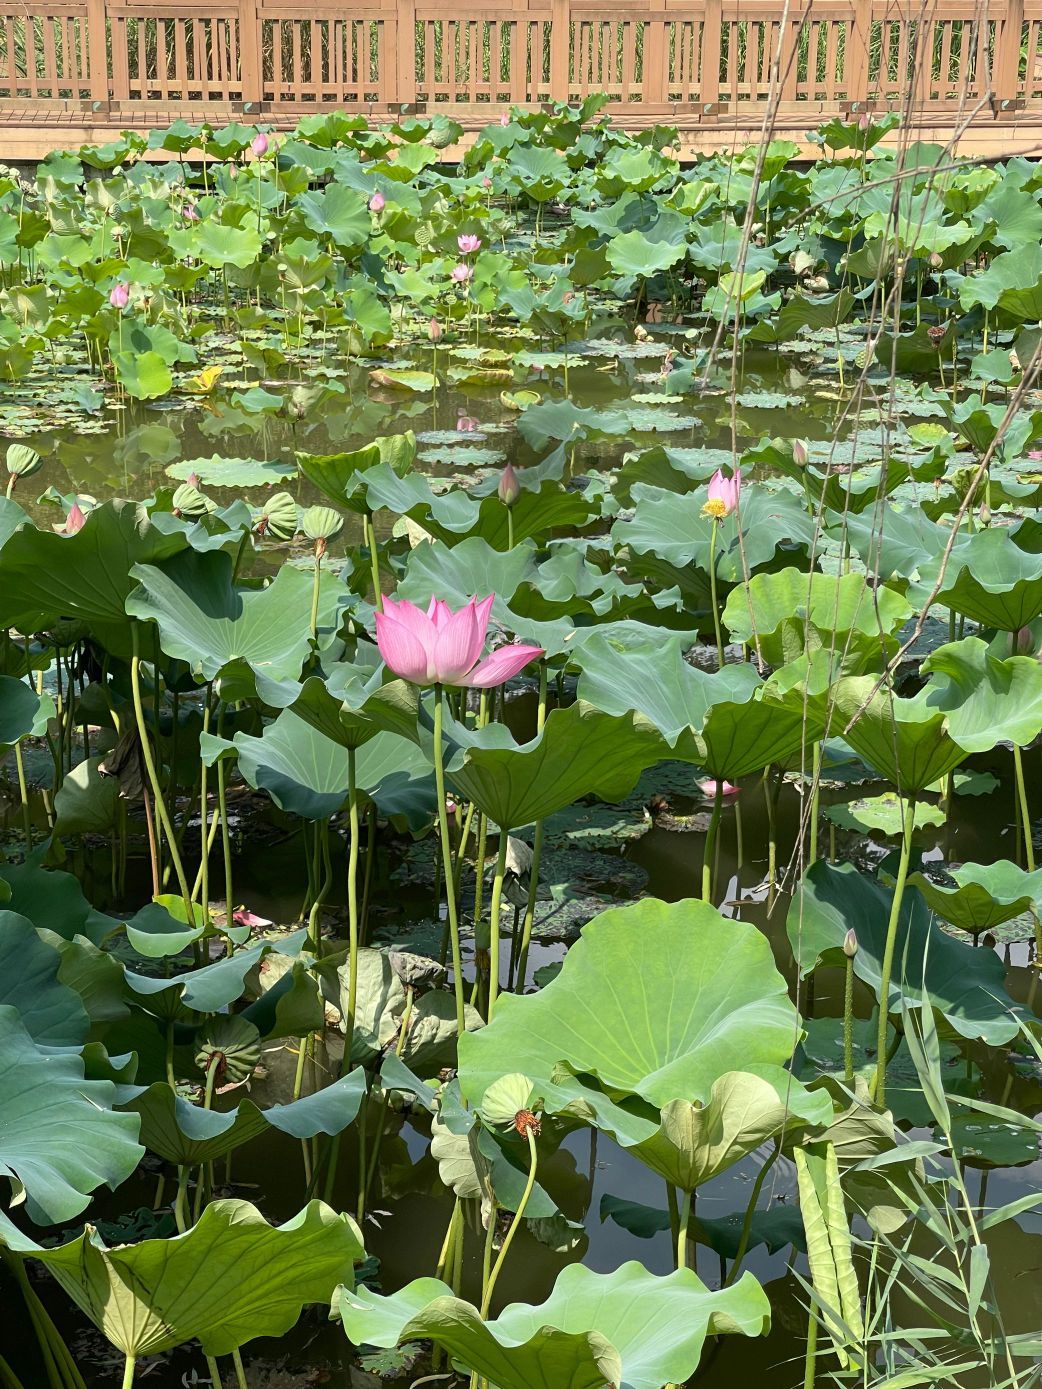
[981, 896]
[907, 740]
[30, 982]
[630, 1328]
[23, 713]
[992, 580]
[986, 700]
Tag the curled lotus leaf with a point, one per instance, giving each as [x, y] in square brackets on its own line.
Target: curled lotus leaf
[981, 896]
[986, 699]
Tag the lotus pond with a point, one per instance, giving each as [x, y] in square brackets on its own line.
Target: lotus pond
[519, 731]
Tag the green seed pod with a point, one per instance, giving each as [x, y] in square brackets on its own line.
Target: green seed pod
[189, 501]
[321, 522]
[279, 517]
[22, 461]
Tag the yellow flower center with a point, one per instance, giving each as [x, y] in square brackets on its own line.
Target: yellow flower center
[715, 507]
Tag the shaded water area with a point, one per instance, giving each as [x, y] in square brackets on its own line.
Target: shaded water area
[468, 433]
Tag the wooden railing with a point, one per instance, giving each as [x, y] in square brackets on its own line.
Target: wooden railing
[650, 57]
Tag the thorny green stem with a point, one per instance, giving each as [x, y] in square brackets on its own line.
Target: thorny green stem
[848, 1022]
[879, 1083]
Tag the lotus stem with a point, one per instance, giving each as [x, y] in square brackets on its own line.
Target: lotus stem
[240, 1373]
[214, 1372]
[810, 1363]
[316, 587]
[180, 1201]
[153, 778]
[128, 1371]
[537, 857]
[713, 597]
[879, 1083]
[226, 842]
[815, 797]
[497, 902]
[1022, 801]
[374, 559]
[23, 792]
[370, 859]
[850, 953]
[202, 882]
[446, 853]
[510, 522]
[685, 1221]
[508, 1238]
[710, 844]
[448, 1244]
[352, 904]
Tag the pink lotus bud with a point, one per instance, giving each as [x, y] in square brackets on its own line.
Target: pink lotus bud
[462, 273]
[377, 202]
[708, 788]
[190, 212]
[486, 182]
[434, 330]
[466, 424]
[259, 144]
[799, 453]
[509, 488]
[75, 521]
[119, 295]
[193, 479]
[1023, 641]
[468, 244]
[505, 118]
[863, 121]
[850, 946]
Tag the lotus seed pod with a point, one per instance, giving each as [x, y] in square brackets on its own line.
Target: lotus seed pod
[321, 522]
[22, 461]
[279, 517]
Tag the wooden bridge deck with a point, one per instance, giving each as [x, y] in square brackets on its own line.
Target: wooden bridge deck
[967, 72]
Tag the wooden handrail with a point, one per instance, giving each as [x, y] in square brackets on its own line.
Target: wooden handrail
[651, 57]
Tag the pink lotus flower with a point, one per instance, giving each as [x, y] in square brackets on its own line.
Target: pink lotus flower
[863, 121]
[119, 295]
[190, 212]
[466, 424]
[259, 144]
[377, 202]
[74, 521]
[709, 786]
[505, 118]
[242, 916]
[434, 330]
[723, 494]
[486, 182]
[509, 488]
[799, 453]
[468, 244]
[461, 273]
[442, 647]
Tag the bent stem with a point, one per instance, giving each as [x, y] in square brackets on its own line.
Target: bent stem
[712, 594]
[879, 1083]
[153, 778]
[508, 1239]
[446, 855]
[710, 844]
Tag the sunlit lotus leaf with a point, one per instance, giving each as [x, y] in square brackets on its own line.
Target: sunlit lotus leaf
[907, 740]
[234, 634]
[217, 245]
[789, 611]
[987, 700]
[965, 985]
[655, 1000]
[86, 802]
[990, 579]
[230, 1278]
[211, 988]
[338, 475]
[351, 704]
[60, 1139]
[239, 473]
[674, 529]
[44, 576]
[629, 1328]
[51, 1013]
[143, 375]
[980, 896]
[901, 545]
[23, 713]
[882, 814]
[186, 1134]
[12, 516]
[471, 568]
[580, 752]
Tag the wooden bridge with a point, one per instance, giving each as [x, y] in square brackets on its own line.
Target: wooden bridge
[964, 71]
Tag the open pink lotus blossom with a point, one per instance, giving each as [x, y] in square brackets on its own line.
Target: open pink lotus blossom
[242, 916]
[708, 789]
[259, 144]
[466, 424]
[442, 647]
[377, 202]
[509, 488]
[461, 273]
[119, 295]
[468, 244]
[723, 494]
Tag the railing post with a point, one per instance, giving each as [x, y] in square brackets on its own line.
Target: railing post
[1005, 76]
[656, 42]
[560, 49]
[97, 52]
[709, 84]
[251, 63]
[406, 51]
[858, 47]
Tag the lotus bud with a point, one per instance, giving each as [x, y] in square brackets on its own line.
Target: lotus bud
[509, 488]
[505, 118]
[434, 330]
[75, 520]
[800, 453]
[850, 945]
[259, 144]
[193, 479]
[985, 514]
[119, 295]
[462, 273]
[486, 182]
[1023, 641]
[377, 202]
[22, 461]
[936, 260]
[863, 121]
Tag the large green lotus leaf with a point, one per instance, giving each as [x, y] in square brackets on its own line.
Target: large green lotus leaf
[655, 999]
[218, 471]
[86, 802]
[789, 611]
[580, 752]
[227, 632]
[186, 1134]
[350, 704]
[12, 517]
[229, 1279]
[213, 987]
[731, 722]
[53, 901]
[991, 580]
[906, 740]
[899, 545]
[45, 576]
[306, 773]
[339, 476]
[59, 1138]
[674, 529]
[630, 1328]
[23, 713]
[471, 568]
[631, 254]
[984, 895]
[689, 1144]
[966, 985]
[51, 1012]
[987, 700]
